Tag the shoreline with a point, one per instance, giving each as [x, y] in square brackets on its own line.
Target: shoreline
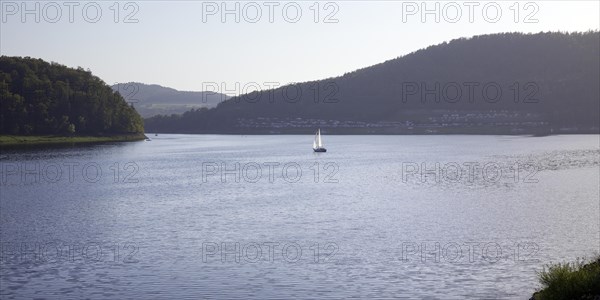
[43, 140]
[325, 131]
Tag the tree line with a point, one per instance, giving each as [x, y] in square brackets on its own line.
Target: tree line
[42, 98]
[548, 77]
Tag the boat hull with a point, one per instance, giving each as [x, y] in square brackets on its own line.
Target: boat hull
[319, 149]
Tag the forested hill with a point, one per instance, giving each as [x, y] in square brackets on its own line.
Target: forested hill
[41, 98]
[498, 83]
[153, 99]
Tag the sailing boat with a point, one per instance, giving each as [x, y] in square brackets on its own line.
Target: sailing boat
[317, 143]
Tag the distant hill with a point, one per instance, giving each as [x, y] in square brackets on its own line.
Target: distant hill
[42, 98]
[509, 83]
[153, 99]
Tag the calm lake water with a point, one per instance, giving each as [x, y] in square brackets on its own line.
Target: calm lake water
[214, 216]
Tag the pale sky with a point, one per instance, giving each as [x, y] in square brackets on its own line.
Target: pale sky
[187, 45]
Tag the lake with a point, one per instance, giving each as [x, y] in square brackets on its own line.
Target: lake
[230, 216]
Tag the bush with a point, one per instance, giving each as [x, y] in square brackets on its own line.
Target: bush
[570, 281]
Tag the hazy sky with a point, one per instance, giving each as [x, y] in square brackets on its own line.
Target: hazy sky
[189, 44]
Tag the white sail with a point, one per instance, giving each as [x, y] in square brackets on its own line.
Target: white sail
[319, 142]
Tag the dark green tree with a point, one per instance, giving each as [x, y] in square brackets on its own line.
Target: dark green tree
[37, 97]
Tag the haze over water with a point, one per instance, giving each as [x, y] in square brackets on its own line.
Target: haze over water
[188, 223]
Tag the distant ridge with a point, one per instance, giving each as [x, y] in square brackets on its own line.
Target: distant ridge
[153, 99]
[547, 83]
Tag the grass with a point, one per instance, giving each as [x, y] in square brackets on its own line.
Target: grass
[34, 140]
[570, 281]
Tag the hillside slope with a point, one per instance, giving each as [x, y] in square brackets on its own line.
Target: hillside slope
[41, 98]
[152, 99]
[500, 83]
